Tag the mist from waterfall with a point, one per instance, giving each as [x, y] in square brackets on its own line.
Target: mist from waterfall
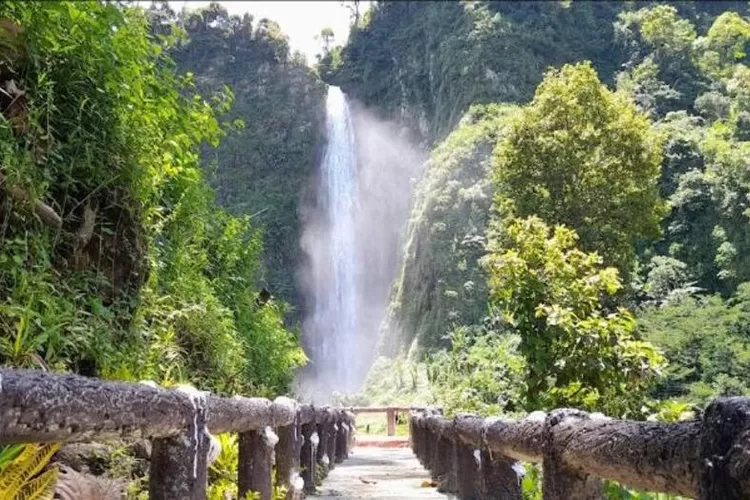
[352, 243]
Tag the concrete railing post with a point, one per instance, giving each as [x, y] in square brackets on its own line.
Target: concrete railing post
[321, 454]
[445, 466]
[559, 481]
[391, 417]
[342, 439]
[352, 421]
[467, 471]
[255, 462]
[288, 455]
[178, 466]
[501, 477]
[332, 433]
[725, 450]
[308, 455]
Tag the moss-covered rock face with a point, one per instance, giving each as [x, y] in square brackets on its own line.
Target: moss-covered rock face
[262, 168]
[427, 62]
[441, 281]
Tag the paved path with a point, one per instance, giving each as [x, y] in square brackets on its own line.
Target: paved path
[372, 472]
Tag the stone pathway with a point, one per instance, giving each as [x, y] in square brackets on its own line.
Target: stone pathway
[373, 472]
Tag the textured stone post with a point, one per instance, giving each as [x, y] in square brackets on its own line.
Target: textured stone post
[419, 438]
[559, 481]
[333, 429]
[342, 440]
[321, 454]
[178, 467]
[444, 470]
[430, 443]
[725, 450]
[391, 417]
[307, 455]
[255, 461]
[501, 479]
[287, 455]
[467, 471]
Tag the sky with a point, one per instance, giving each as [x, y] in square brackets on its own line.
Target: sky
[300, 21]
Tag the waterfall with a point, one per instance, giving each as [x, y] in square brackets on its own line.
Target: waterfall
[352, 239]
[332, 329]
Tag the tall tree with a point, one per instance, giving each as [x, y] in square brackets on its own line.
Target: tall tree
[582, 156]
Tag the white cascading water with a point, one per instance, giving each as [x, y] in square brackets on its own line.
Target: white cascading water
[352, 242]
[334, 259]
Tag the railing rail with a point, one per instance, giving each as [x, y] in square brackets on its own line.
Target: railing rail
[479, 458]
[44, 407]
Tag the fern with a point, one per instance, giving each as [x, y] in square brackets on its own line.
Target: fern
[17, 476]
[40, 488]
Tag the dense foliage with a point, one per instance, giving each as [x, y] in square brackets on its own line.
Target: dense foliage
[262, 168]
[611, 271]
[550, 294]
[114, 259]
[441, 281]
[582, 156]
[427, 62]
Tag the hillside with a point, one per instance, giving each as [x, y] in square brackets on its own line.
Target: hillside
[262, 168]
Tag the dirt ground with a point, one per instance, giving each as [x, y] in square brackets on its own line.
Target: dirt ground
[377, 472]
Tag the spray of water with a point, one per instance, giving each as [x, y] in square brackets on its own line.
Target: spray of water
[352, 241]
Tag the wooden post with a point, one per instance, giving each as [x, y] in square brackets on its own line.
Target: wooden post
[178, 467]
[391, 416]
[501, 479]
[308, 455]
[724, 450]
[467, 471]
[559, 481]
[255, 461]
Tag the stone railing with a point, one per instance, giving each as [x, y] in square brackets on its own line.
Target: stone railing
[480, 458]
[43, 407]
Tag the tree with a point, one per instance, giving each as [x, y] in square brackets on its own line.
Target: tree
[327, 36]
[578, 353]
[353, 8]
[582, 156]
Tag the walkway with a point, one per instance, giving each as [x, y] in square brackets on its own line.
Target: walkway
[372, 472]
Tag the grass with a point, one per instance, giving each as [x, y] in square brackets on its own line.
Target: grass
[375, 424]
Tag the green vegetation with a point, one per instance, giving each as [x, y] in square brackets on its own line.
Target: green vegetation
[551, 295]
[613, 205]
[441, 281]
[22, 471]
[260, 169]
[115, 260]
[582, 156]
[580, 236]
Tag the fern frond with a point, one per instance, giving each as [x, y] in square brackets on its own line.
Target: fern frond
[40, 488]
[31, 460]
